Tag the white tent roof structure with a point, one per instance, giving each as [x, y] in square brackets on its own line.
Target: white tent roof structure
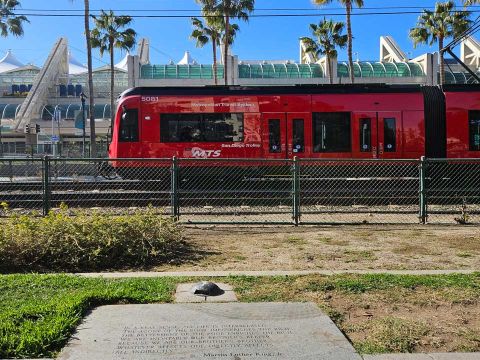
[187, 59]
[123, 64]
[390, 51]
[9, 62]
[74, 66]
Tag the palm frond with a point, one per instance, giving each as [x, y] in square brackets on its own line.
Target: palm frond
[441, 23]
[328, 36]
[9, 22]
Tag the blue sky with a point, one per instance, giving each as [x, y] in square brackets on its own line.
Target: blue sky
[263, 38]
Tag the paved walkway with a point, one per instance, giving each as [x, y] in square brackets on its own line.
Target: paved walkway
[269, 273]
[443, 356]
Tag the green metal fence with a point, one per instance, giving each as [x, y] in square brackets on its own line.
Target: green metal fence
[251, 191]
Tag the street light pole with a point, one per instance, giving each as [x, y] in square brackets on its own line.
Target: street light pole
[83, 98]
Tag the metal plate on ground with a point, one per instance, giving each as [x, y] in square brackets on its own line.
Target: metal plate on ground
[231, 331]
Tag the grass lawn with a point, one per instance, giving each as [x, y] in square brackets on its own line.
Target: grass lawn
[379, 313]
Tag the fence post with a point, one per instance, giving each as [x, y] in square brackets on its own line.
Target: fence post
[46, 185]
[10, 169]
[296, 191]
[174, 189]
[423, 191]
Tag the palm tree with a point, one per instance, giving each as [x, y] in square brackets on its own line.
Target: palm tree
[471, 2]
[9, 23]
[205, 33]
[436, 26]
[328, 34]
[108, 35]
[230, 9]
[348, 6]
[86, 18]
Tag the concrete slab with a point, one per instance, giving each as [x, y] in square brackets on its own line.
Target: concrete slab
[183, 294]
[456, 356]
[430, 356]
[234, 331]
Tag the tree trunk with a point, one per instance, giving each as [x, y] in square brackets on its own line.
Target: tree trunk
[349, 33]
[442, 62]
[214, 43]
[329, 69]
[225, 55]
[112, 83]
[93, 141]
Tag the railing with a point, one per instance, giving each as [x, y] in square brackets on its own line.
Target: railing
[251, 191]
[64, 149]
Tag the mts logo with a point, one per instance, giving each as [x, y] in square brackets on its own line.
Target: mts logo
[201, 153]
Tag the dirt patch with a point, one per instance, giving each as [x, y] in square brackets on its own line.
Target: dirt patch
[422, 320]
[387, 319]
[333, 248]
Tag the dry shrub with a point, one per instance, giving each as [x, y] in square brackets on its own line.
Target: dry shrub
[86, 241]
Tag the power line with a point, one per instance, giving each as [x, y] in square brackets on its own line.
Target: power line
[85, 53]
[256, 9]
[250, 16]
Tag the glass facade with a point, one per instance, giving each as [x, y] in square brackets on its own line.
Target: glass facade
[180, 71]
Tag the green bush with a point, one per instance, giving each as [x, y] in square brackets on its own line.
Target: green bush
[86, 241]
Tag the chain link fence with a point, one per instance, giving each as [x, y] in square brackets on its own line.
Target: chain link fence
[252, 191]
[22, 183]
[110, 186]
[247, 191]
[359, 191]
[452, 191]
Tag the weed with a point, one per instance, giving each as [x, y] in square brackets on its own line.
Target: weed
[356, 256]
[464, 254]
[333, 242]
[464, 216]
[295, 240]
[411, 249]
[390, 334]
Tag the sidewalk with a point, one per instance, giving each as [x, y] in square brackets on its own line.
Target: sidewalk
[433, 356]
[134, 274]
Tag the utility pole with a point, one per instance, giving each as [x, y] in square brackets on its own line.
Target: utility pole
[83, 98]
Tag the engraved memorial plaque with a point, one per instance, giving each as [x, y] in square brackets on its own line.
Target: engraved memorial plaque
[209, 331]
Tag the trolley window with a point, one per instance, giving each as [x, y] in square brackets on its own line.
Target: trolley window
[223, 127]
[274, 137]
[390, 134]
[298, 136]
[129, 126]
[331, 132]
[474, 129]
[365, 135]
